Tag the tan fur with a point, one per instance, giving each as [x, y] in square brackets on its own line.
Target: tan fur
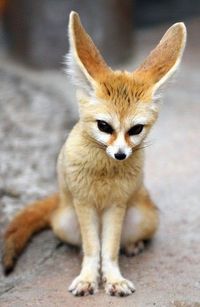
[86, 52]
[103, 204]
[165, 56]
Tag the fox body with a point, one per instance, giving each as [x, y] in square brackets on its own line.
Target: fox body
[102, 203]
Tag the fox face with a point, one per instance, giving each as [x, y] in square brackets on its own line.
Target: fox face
[118, 115]
[118, 108]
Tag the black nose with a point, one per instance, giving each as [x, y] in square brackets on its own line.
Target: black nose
[120, 156]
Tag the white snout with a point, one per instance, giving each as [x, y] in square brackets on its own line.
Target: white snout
[119, 147]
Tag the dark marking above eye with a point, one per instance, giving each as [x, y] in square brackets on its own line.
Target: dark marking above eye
[135, 130]
[104, 127]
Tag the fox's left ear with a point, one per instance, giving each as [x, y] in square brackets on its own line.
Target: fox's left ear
[163, 61]
[86, 66]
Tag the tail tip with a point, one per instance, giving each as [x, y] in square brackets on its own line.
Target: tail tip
[7, 270]
[8, 264]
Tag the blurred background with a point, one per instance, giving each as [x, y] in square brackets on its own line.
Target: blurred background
[38, 108]
[35, 31]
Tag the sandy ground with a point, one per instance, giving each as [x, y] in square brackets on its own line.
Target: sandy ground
[36, 113]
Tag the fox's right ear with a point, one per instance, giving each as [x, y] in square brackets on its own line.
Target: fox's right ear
[85, 64]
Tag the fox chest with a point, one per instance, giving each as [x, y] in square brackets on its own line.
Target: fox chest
[100, 187]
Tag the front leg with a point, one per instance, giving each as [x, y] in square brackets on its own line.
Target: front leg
[115, 283]
[87, 281]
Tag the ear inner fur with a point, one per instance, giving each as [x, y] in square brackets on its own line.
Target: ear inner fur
[86, 53]
[164, 59]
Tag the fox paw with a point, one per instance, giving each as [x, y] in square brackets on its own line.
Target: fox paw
[122, 287]
[133, 249]
[82, 287]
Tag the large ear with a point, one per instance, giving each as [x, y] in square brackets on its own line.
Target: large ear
[165, 58]
[85, 63]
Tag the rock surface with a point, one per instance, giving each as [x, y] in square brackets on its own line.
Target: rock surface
[36, 111]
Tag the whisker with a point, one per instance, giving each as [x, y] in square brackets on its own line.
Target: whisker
[148, 144]
[99, 144]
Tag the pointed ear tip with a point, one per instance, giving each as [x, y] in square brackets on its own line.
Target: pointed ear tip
[180, 26]
[73, 16]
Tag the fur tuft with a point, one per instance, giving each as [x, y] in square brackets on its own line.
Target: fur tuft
[76, 75]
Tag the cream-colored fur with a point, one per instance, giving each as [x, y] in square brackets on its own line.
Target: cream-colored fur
[103, 201]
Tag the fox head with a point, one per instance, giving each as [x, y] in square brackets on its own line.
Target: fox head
[118, 108]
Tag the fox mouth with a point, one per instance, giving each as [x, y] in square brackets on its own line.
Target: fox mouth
[119, 155]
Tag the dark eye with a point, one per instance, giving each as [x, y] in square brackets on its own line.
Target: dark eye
[137, 129]
[104, 127]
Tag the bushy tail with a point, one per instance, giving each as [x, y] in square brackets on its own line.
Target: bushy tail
[29, 221]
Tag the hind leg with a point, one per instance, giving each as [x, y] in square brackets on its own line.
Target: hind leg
[140, 223]
[64, 221]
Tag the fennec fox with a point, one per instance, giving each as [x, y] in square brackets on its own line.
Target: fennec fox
[102, 203]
